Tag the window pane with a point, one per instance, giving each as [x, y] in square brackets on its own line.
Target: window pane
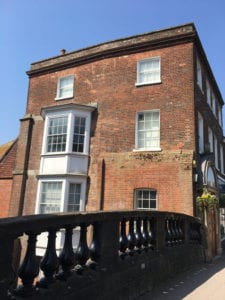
[50, 201]
[153, 194]
[141, 143]
[145, 204]
[155, 115]
[153, 204]
[145, 199]
[141, 125]
[145, 194]
[79, 134]
[57, 134]
[74, 197]
[141, 117]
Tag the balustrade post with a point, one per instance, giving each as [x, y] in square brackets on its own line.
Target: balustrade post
[29, 269]
[82, 253]
[67, 256]
[94, 248]
[179, 224]
[152, 232]
[172, 231]
[49, 263]
[145, 234]
[123, 238]
[139, 237]
[132, 241]
[168, 233]
[7, 274]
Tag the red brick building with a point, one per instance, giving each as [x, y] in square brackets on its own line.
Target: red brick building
[131, 123]
[7, 164]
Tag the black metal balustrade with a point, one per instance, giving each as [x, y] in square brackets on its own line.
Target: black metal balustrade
[106, 238]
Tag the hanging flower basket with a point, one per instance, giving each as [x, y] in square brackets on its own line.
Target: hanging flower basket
[207, 200]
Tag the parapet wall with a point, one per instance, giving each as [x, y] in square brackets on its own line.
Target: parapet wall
[120, 255]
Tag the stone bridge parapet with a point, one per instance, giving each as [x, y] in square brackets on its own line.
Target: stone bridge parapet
[118, 254]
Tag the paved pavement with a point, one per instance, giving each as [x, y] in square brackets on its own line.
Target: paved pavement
[202, 282]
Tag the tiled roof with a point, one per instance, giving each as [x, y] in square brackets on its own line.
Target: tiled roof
[5, 148]
[7, 159]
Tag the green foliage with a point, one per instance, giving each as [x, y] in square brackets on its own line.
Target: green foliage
[207, 200]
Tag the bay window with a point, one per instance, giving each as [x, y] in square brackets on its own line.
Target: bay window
[57, 134]
[61, 195]
[67, 131]
[64, 159]
[50, 197]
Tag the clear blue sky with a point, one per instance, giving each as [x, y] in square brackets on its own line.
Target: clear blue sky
[31, 30]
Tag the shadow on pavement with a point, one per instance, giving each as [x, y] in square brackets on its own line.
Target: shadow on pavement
[183, 284]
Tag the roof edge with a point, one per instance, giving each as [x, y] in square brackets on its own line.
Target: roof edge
[114, 47]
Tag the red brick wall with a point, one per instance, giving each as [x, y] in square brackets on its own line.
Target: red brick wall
[6, 174]
[5, 194]
[111, 82]
[170, 173]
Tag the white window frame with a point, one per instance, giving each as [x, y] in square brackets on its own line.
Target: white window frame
[200, 134]
[213, 104]
[199, 75]
[65, 191]
[220, 115]
[210, 138]
[157, 70]
[71, 114]
[137, 148]
[39, 193]
[208, 93]
[216, 152]
[149, 200]
[221, 159]
[48, 120]
[70, 87]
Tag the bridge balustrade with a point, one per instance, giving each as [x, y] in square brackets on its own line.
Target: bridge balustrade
[119, 254]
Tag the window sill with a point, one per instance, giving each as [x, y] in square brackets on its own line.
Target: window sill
[148, 150]
[148, 208]
[61, 175]
[138, 84]
[64, 154]
[63, 98]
